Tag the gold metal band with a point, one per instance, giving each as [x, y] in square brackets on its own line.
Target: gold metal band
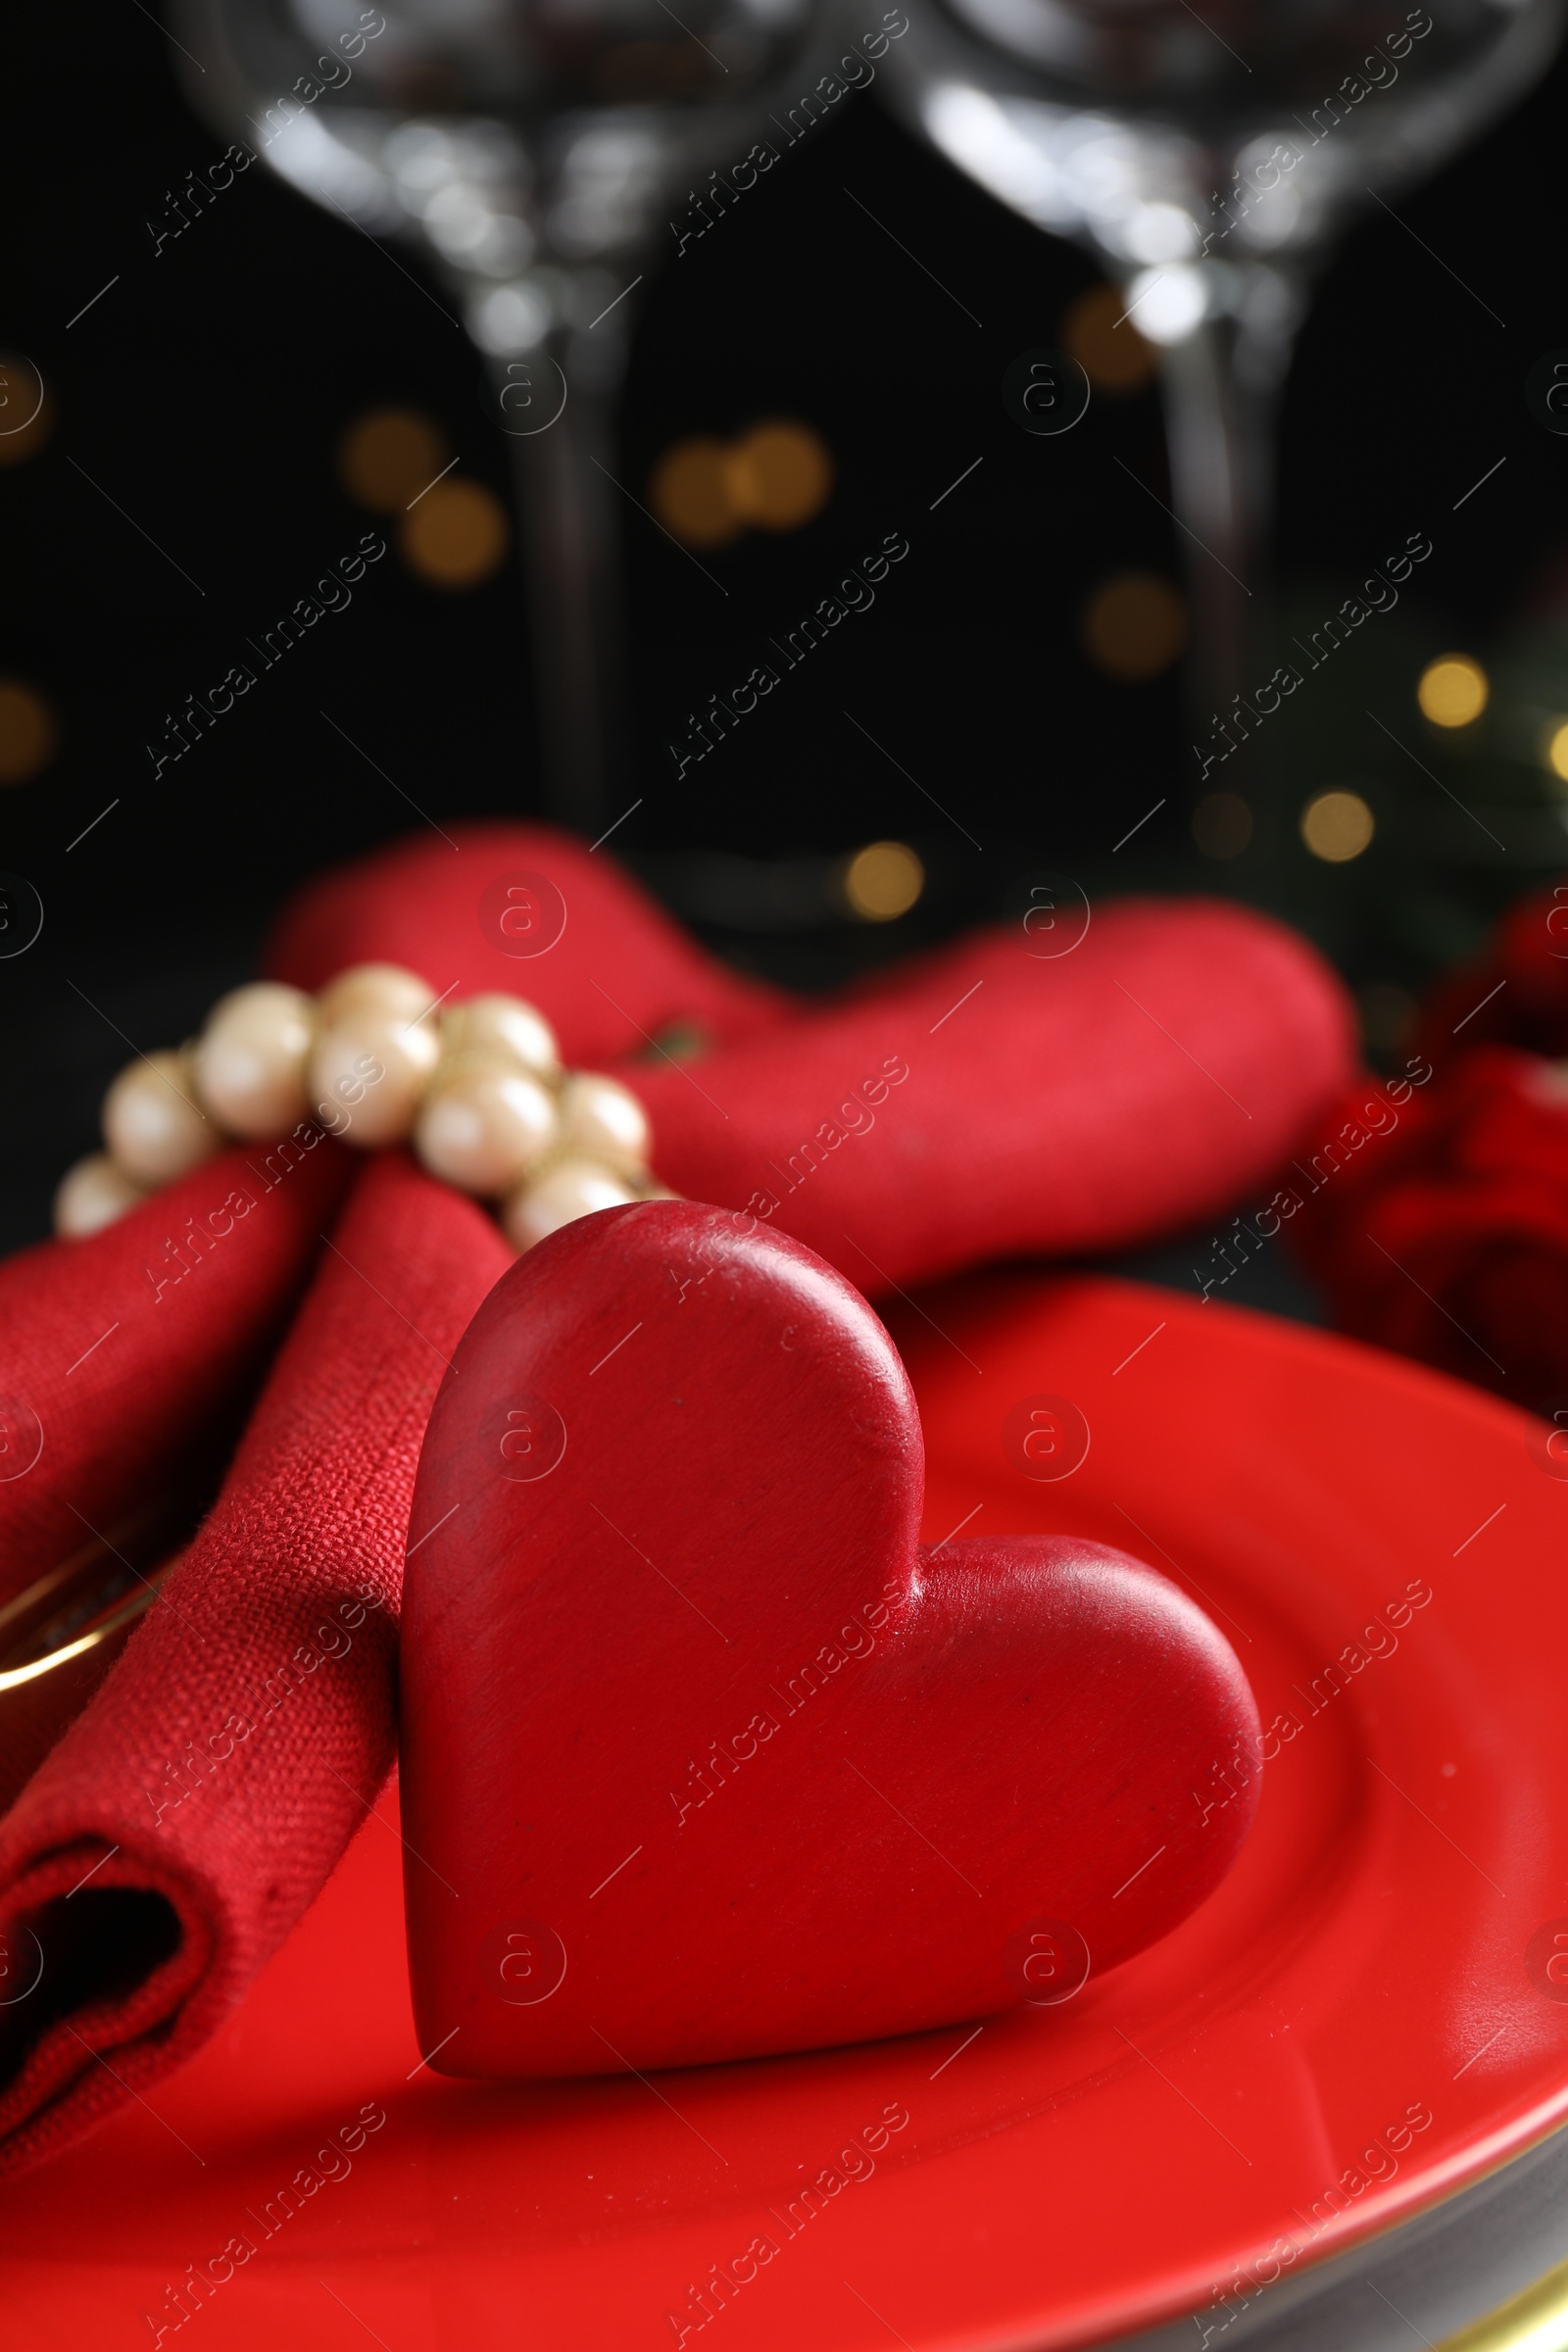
[62, 1635]
[56, 1619]
[1535, 2321]
[126, 1613]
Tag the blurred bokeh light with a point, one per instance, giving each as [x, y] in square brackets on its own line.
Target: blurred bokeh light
[1452, 691]
[388, 456]
[1337, 826]
[1557, 749]
[26, 412]
[883, 881]
[774, 478]
[456, 536]
[28, 733]
[689, 492]
[1105, 343]
[778, 475]
[1134, 627]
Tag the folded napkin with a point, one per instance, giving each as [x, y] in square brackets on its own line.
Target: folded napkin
[194, 1810]
[987, 1099]
[980, 1103]
[131, 1359]
[602, 960]
[126, 1354]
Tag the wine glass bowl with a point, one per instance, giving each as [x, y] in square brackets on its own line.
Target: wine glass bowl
[531, 148]
[1126, 123]
[1207, 151]
[505, 131]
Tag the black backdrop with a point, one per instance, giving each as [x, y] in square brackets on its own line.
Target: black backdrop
[204, 393]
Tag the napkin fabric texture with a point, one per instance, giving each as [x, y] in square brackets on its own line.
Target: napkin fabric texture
[983, 1102]
[193, 1811]
[528, 911]
[124, 1353]
[1054, 1090]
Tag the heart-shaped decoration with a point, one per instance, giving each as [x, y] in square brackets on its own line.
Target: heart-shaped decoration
[703, 1754]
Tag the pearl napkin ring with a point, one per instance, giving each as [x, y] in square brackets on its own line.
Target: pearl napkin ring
[479, 1089]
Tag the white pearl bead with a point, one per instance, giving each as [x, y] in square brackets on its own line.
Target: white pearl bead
[483, 1123]
[386, 988]
[249, 1062]
[602, 1120]
[152, 1123]
[502, 1024]
[572, 1189]
[91, 1195]
[368, 1072]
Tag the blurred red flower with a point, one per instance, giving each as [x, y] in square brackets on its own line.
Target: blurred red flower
[1451, 1244]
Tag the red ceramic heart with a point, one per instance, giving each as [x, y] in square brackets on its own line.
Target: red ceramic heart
[703, 1754]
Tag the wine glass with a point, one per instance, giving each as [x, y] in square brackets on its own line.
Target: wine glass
[1208, 150]
[530, 146]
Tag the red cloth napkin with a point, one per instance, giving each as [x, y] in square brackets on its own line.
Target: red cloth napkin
[616, 973]
[124, 1354]
[196, 1807]
[981, 1103]
[1047, 1103]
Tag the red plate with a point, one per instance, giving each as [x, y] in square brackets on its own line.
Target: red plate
[1248, 2096]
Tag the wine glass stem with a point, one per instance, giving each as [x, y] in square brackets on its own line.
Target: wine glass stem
[571, 542]
[1218, 475]
[1221, 389]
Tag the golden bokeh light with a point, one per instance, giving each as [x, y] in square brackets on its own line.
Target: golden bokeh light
[1222, 824]
[883, 881]
[1134, 627]
[28, 732]
[778, 475]
[388, 456]
[1105, 343]
[1556, 751]
[27, 412]
[689, 492]
[774, 478]
[1452, 691]
[1337, 826]
[456, 535]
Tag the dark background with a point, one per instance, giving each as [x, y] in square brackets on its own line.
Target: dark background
[204, 394]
